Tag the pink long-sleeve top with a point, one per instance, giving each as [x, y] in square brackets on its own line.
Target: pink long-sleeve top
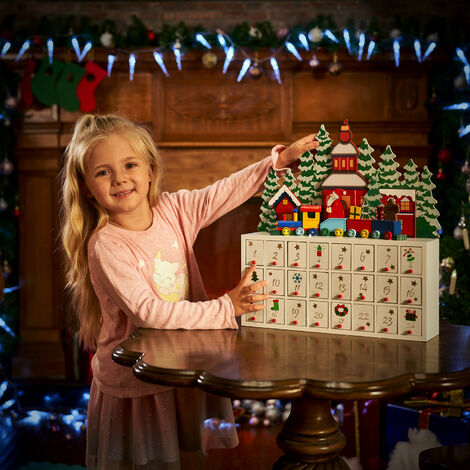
[150, 278]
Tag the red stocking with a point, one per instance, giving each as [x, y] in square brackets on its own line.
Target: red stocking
[86, 88]
[25, 85]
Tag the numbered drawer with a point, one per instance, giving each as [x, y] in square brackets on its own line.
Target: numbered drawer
[318, 258]
[296, 283]
[341, 256]
[317, 314]
[297, 254]
[275, 279]
[411, 260]
[363, 317]
[363, 258]
[296, 312]
[254, 251]
[340, 315]
[275, 311]
[254, 317]
[387, 259]
[387, 289]
[341, 286]
[275, 253]
[318, 285]
[409, 321]
[363, 287]
[410, 290]
[387, 319]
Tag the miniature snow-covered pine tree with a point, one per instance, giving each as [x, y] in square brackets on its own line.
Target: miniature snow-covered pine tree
[289, 181]
[267, 216]
[410, 175]
[366, 160]
[387, 171]
[306, 178]
[323, 163]
[427, 225]
[371, 199]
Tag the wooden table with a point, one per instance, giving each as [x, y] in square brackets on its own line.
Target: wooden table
[309, 368]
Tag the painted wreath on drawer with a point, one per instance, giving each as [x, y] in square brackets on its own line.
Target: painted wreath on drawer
[341, 310]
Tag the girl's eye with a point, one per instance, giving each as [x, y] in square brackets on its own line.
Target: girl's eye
[102, 173]
[131, 165]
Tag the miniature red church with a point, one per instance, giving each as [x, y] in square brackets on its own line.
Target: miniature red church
[345, 187]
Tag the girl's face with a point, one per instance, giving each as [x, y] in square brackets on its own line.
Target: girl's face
[119, 181]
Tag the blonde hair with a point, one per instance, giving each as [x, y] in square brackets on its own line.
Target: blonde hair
[81, 216]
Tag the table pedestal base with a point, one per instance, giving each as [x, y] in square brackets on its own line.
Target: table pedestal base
[310, 438]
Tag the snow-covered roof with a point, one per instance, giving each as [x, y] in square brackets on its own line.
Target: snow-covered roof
[284, 189]
[344, 180]
[344, 149]
[399, 193]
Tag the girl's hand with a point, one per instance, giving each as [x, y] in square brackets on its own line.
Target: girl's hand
[243, 297]
[296, 149]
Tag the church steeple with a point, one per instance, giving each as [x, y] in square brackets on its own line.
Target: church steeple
[345, 153]
[345, 135]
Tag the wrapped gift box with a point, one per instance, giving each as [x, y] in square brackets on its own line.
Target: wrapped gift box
[448, 429]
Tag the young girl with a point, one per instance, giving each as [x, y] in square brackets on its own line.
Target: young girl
[131, 264]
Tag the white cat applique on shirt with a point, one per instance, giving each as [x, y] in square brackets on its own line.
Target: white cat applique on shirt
[170, 285]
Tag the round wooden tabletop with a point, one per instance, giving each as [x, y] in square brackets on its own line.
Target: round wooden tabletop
[268, 363]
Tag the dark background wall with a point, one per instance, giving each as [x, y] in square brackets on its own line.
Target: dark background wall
[217, 13]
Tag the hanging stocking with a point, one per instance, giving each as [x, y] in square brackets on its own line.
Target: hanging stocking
[25, 84]
[43, 83]
[86, 88]
[67, 86]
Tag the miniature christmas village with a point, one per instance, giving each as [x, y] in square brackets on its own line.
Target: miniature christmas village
[342, 183]
[347, 248]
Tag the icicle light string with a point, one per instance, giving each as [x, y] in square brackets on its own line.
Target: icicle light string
[292, 42]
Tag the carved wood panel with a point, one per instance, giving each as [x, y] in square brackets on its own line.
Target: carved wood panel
[218, 109]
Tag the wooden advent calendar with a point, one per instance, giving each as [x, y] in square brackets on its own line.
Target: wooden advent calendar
[381, 278]
[369, 287]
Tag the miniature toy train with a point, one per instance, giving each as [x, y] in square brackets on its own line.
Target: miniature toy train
[306, 220]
